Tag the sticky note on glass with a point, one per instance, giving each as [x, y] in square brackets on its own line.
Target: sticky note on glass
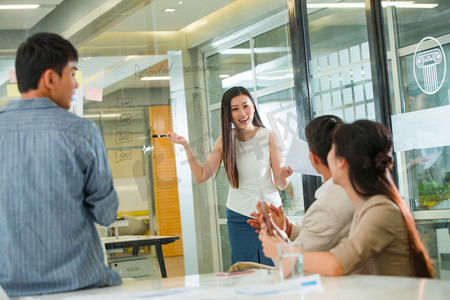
[94, 94]
[78, 77]
[12, 76]
[12, 90]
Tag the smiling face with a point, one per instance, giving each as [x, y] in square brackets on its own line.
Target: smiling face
[242, 112]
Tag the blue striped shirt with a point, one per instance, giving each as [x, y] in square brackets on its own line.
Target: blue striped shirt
[55, 182]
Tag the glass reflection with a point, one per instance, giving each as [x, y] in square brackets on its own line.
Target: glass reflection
[232, 68]
[428, 169]
[414, 23]
[340, 61]
[272, 58]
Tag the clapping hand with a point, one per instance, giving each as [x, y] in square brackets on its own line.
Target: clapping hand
[269, 242]
[276, 213]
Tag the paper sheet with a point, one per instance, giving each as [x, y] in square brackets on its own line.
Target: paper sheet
[77, 102]
[12, 76]
[304, 285]
[12, 90]
[298, 158]
[79, 77]
[421, 129]
[94, 94]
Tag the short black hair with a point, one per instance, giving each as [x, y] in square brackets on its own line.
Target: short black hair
[41, 52]
[319, 135]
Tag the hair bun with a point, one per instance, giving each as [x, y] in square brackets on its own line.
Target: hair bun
[383, 161]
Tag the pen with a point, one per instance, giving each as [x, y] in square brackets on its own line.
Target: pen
[158, 135]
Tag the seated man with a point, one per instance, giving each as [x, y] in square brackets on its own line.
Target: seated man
[328, 219]
[55, 181]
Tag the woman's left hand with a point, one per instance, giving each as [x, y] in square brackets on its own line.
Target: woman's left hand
[286, 172]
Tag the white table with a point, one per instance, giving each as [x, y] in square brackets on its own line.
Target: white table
[352, 287]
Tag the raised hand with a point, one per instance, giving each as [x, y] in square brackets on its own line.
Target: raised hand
[176, 139]
[286, 172]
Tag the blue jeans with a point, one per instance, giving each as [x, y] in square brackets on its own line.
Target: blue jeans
[244, 242]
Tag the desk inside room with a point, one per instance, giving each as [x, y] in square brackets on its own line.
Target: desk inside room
[136, 241]
[255, 285]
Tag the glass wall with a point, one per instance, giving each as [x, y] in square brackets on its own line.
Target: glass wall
[417, 38]
[340, 61]
[258, 58]
[144, 72]
[418, 52]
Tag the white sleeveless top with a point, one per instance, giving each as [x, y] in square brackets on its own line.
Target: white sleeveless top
[255, 175]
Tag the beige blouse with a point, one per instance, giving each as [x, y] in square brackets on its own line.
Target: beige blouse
[378, 241]
[327, 221]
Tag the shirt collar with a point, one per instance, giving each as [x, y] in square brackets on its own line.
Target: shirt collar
[321, 190]
[32, 103]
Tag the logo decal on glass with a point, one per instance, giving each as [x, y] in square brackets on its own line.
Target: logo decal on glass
[430, 65]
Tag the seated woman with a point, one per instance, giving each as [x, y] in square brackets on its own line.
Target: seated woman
[383, 239]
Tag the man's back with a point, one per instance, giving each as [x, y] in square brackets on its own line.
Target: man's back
[54, 183]
[327, 221]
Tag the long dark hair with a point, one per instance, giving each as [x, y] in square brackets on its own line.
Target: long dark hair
[228, 153]
[367, 148]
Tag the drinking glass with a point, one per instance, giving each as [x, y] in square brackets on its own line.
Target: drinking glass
[290, 260]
